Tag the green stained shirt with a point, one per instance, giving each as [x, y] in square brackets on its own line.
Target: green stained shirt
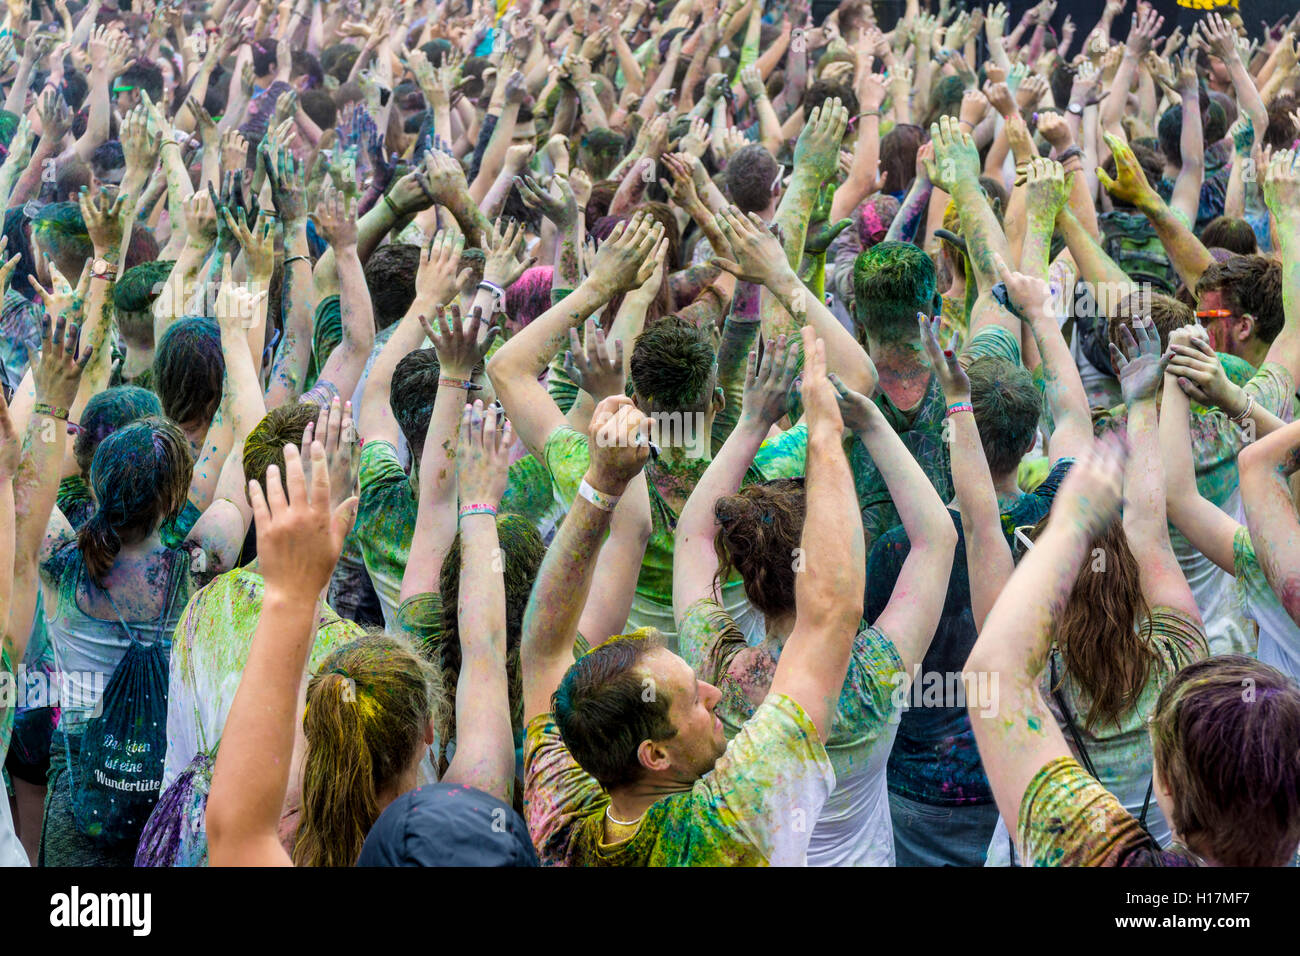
[743, 812]
[387, 509]
[567, 459]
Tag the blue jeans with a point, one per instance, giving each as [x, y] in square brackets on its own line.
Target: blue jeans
[926, 834]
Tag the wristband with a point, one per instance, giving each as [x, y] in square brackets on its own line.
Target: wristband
[459, 383]
[597, 498]
[477, 509]
[488, 286]
[957, 408]
[40, 408]
[292, 259]
[396, 212]
[1238, 419]
[1071, 153]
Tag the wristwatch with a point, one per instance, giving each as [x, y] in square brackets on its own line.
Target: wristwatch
[1075, 108]
[102, 269]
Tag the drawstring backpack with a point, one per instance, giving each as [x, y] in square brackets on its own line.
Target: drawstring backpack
[115, 778]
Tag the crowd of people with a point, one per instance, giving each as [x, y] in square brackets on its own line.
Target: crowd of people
[413, 408]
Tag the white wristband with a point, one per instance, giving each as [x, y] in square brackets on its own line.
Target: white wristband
[598, 498]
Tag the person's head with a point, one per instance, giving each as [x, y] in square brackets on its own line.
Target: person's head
[107, 165]
[140, 75]
[898, 156]
[674, 377]
[264, 446]
[337, 60]
[1226, 766]
[520, 558]
[599, 151]
[140, 477]
[74, 89]
[105, 413]
[1280, 131]
[1165, 312]
[306, 73]
[264, 61]
[1239, 301]
[1230, 233]
[759, 528]
[633, 711]
[133, 298]
[319, 107]
[1221, 114]
[59, 235]
[188, 372]
[390, 277]
[753, 178]
[1096, 631]
[892, 282]
[824, 90]
[368, 722]
[448, 824]
[873, 217]
[1007, 406]
[528, 296]
[945, 99]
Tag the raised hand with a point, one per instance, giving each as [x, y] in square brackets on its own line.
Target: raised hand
[619, 442]
[754, 254]
[1029, 295]
[769, 383]
[1146, 26]
[595, 366]
[58, 373]
[1130, 183]
[436, 280]
[257, 241]
[483, 456]
[555, 200]
[336, 217]
[819, 143]
[505, 253]
[1199, 371]
[821, 403]
[625, 259]
[335, 429]
[1141, 369]
[1047, 189]
[952, 377]
[299, 537]
[956, 159]
[460, 345]
[104, 217]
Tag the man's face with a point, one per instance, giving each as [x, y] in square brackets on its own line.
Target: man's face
[128, 99]
[700, 739]
[1216, 314]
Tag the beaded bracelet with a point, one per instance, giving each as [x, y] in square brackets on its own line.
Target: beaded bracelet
[40, 408]
[958, 407]
[459, 383]
[477, 509]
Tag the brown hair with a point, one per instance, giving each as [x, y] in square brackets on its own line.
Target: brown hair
[367, 712]
[1224, 738]
[759, 528]
[1105, 655]
[1165, 311]
[264, 446]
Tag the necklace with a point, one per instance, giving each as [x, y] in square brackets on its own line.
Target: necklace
[622, 823]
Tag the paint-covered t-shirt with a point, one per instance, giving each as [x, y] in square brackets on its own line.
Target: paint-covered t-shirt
[854, 828]
[935, 759]
[388, 505]
[210, 649]
[1279, 637]
[1216, 440]
[754, 808]
[1120, 750]
[567, 458]
[1068, 819]
[921, 429]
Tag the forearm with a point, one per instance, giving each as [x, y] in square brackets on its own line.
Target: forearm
[862, 173]
[1095, 266]
[292, 356]
[495, 154]
[845, 355]
[97, 120]
[1063, 388]
[1145, 523]
[1265, 466]
[1189, 257]
[983, 235]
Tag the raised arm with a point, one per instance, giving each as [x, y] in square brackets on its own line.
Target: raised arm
[766, 401]
[1019, 737]
[485, 748]
[829, 592]
[1266, 467]
[1282, 193]
[1145, 525]
[618, 439]
[299, 539]
[336, 217]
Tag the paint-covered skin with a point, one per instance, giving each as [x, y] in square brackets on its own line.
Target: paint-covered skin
[752, 809]
[388, 505]
[1068, 819]
[1279, 636]
[858, 831]
[671, 479]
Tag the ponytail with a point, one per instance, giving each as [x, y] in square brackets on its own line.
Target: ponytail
[99, 545]
[366, 717]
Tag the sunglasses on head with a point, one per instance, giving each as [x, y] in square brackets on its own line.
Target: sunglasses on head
[1214, 314]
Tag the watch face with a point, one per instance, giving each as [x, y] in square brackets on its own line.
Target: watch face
[99, 265]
